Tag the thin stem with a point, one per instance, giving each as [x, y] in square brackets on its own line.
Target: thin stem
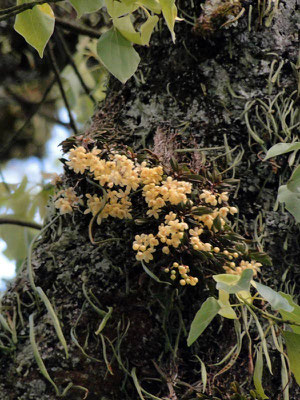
[61, 88]
[270, 316]
[12, 11]
[80, 29]
[11, 221]
[71, 61]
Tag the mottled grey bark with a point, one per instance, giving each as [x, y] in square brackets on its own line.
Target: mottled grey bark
[190, 94]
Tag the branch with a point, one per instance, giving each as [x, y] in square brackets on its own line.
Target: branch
[6, 146]
[12, 11]
[71, 61]
[11, 221]
[61, 88]
[79, 29]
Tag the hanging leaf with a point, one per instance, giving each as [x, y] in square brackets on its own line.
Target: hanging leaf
[117, 55]
[275, 299]
[294, 182]
[282, 148]
[203, 318]
[36, 25]
[291, 201]
[292, 341]
[257, 376]
[234, 283]
[293, 316]
[86, 6]
[169, 11]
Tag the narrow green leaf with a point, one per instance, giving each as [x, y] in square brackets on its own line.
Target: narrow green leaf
[234, 283]
[54, 318]
[292, 341]
[201, 211]
[275, 299]
[136, 383]
[291, 200]
[104, 321]
[86, 6]
[37, 355]
[257, 376]
[152, 275]
[203, 374]
[281, 148]
[294, 182]
[117, 55]
[284, 378]
[36, 25]
[263, 341]
[203, 318]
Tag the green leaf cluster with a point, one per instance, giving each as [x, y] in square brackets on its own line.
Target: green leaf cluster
[115, 46]
[228, 284]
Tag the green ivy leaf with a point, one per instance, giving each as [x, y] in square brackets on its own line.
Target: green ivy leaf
[275, 299]
[86, 6]
[234, 283]
[36, 25]
[292, 341]
[294, 182]
[203, 318]
[282, 148]
[118, 55]
[291, 200]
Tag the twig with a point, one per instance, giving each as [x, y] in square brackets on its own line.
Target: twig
[71, 61]
[80, 29]
[61, 88]
[11, 221]
[270, 316]
[28, 120]
[12, 11]
[53, 119]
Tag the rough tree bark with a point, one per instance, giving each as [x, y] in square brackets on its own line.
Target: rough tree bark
[185, 95]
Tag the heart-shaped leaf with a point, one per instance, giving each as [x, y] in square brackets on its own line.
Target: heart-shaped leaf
[36, 25]
[117, 55]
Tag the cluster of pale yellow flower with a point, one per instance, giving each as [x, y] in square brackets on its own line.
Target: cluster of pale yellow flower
[120, 176]
[67, 200]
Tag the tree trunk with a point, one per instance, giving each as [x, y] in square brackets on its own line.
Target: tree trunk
[191, 94]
